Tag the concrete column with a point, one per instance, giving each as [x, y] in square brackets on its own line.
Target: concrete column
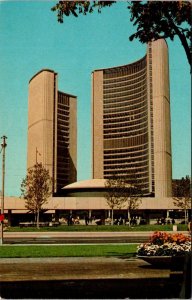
[109, 213]
[161, 120]
[90, 213]
[97, 124]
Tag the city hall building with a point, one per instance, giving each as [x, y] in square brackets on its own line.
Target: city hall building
[52, 129]
[131, 138]
[131, 131]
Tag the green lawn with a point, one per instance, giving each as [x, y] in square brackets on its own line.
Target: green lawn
[67, 250]
[90, 228]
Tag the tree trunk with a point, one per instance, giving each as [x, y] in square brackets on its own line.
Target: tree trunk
[38, 218]
[129, 217]
[181, 37]
[112, 216]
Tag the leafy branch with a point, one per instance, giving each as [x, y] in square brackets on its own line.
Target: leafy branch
[153, 19]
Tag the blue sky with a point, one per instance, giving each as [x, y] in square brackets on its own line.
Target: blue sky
[31, 39]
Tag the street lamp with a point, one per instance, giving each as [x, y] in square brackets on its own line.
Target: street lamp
[3, 145]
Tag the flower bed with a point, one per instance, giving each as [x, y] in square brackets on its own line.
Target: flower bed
[165, 244]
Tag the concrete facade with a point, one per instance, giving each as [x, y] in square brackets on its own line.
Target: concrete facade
[88, 196]
[57, 205]
[17, 205]
[131, 133]
[161, 119]
[52, 129]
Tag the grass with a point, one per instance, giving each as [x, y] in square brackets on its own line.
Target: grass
[13, 251]
[91, 228]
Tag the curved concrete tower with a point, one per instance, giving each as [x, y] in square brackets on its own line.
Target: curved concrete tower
[159, 73]
[131, 133]
[52, 129]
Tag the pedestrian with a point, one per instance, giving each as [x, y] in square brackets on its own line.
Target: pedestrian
[120, 221]
[162, 221]
[86, 220]
[68, 220]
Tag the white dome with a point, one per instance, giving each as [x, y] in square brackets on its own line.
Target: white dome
[89, 183]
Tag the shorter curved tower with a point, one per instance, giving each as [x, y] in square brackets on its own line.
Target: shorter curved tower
[52, 129]
[131, 122]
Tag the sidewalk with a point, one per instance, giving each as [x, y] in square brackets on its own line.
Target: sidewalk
[84, 278]
[22, 269]
[56, 237]
[83, 234]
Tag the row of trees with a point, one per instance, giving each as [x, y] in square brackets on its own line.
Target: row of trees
[120, 193]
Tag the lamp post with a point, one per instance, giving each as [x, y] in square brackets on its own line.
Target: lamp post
[3, 145]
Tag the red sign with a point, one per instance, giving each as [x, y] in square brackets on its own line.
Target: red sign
[2, 217]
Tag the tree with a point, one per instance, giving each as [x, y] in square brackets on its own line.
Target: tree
[132, 199]
[67, 8]
[132, 193]
[114, 193]
[163, 19]
[121, 193]
[154, 19]
[181, 194]
[36, 188]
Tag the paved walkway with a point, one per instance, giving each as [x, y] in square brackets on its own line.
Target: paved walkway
[82, 234]
[67, 268]
[76, 237]
[84, 278]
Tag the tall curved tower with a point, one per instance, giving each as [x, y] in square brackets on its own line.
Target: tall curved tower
[52, 129]
[131, 133]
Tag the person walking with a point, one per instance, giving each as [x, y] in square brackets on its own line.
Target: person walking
[86, 220]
